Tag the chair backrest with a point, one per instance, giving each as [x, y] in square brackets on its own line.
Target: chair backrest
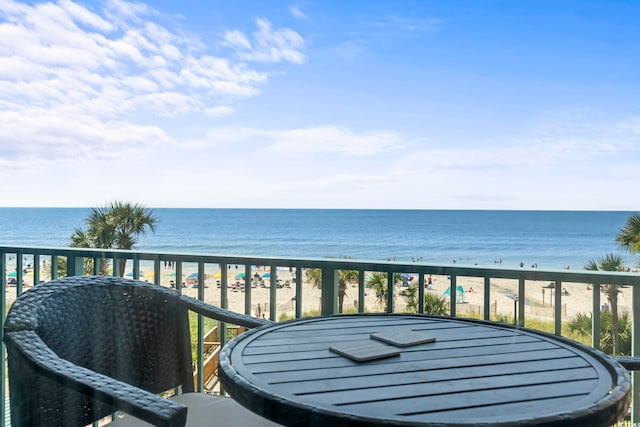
[125, 329]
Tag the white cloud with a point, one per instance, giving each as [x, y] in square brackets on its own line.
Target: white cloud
[296, 12]
[83, 16]
[369, 33]
[394, 25]
[311, 141]
[77, 81]
[330, 139]
[45, 135]
[351, 50]
[269, 45]
[237, 39]
[537, 152]
[219, 111]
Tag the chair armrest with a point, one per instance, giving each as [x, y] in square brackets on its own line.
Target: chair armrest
[629, 363]
[222, 314]
[124, 397]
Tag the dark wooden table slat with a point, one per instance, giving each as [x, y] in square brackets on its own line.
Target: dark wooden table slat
[338, 384]
[314, 369]
[435, 351]
[424, 406]
[496, 338]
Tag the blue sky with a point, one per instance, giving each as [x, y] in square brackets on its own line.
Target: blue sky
[309, 104]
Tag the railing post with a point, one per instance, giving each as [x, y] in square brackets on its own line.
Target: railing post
[361, 289]
[75, 266]
[272, 292]
[54, 266]
[557, 309]
[521, 301]
[329, 291]
[200, 344]
[179, 276]
[156, 269]
[635, 351]
[136, 268]
[421, 293]
[116, 265]
[453, 296]
[298, 292]
[96, 266]
[487, 298]
[3, 312]
[248, 280]
[595, 317]
[224, 278]
[19, 276]
[36, 269]
[390, 292]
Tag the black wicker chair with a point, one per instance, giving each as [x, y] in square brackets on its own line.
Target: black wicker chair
[81, 348]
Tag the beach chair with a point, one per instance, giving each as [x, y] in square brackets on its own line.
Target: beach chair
[81, 348]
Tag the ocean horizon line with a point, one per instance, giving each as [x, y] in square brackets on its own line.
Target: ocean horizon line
[338, 209]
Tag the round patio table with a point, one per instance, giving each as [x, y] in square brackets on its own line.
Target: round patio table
[474, 373]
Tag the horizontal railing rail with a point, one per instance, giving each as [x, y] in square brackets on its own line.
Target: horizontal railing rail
[42, 264]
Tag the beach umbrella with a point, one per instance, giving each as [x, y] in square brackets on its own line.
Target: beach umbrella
[240, 276]
[219, 275]
[459, 290]
[12, 274]
[266, 275]
[150, 274]
[173, 274]
[193, 274]
[459, 293]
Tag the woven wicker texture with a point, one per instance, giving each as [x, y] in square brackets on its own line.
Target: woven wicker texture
[80, 348]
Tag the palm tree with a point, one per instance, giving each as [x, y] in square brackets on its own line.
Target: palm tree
[84, 239]
[434, 304]
[115, 226]
[411, 296]
[345, 277]
[314, 275]
[629, 235]
[581, 325]
[610, 262]
[378, 282]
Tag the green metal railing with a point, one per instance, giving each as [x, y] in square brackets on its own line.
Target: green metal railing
[75, 261]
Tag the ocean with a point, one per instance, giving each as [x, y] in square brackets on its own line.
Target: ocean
[548, 239]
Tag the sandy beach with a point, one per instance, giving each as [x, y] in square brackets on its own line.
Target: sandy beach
[538, 303]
